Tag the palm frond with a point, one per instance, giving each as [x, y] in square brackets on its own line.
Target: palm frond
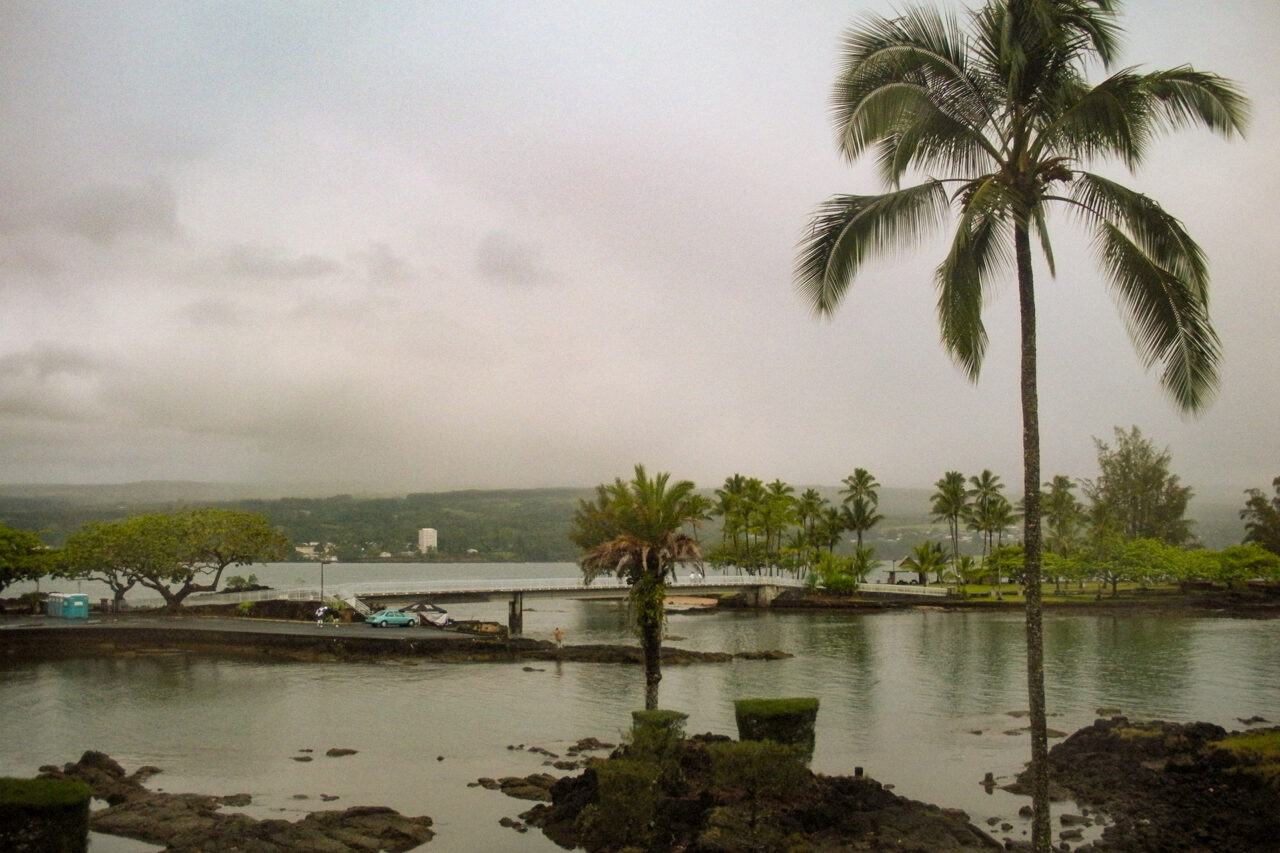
[1167, 318]
[901, 71]
[980, 249]
[1159, 235]
[846, 230]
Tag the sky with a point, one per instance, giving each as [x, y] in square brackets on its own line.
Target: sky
[422, 246]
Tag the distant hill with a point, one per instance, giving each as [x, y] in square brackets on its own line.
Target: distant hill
[497, 524]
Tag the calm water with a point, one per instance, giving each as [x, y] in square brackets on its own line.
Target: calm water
[920, 699]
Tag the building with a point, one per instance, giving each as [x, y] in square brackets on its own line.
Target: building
[428, 539]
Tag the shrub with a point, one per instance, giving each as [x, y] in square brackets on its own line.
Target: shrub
[785, 721]
[628, 801]
[658, 736]
[45, 815]
[245, 608]
[237, 583]
[761, 770]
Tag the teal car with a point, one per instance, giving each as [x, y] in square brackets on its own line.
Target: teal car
[395, 618]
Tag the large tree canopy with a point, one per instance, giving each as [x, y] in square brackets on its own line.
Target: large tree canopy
[1262, 518]
[174, 555]
[23, 557]
[1001, 122]
[1135, 496]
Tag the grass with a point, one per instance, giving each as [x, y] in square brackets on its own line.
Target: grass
[42, 793]
[1258, 754]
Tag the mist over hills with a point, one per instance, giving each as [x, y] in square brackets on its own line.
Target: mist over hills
[529, 524]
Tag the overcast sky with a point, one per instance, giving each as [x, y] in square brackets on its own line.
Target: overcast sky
[434, 245]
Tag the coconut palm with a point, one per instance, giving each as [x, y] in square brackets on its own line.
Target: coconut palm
[1001, 121]
[984, 513]
[636, 530]
[861, 499]
[1063, 512]
[951, 502]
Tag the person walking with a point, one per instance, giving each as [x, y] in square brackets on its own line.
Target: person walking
[320, 614]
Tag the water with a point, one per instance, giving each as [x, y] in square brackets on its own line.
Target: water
[919, 698]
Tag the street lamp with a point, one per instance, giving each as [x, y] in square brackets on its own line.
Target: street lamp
[323, 562]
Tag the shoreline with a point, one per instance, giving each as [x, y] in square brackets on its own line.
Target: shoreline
[304, 642]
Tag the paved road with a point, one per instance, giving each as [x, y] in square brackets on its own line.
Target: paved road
[238, 626]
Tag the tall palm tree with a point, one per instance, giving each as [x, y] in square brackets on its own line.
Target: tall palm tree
[950, 502]
[1064, 513]
[636, 530]
[861, 499]
[984, 494]
[1001, 120]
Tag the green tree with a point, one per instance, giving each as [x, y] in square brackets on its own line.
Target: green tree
[175, 555]
[1262, 518]
[23, 557]
[636, 530]
[1135, 495]
[924, 558]
[1005, 114]
[951, 503]
[1248, 562]
[104, 552]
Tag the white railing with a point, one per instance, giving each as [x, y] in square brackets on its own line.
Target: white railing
[904, 589]
[463, 586]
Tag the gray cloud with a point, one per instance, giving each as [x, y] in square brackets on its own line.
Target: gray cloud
[105, 212]
[315, 242]
[504, 259]
[273, 262]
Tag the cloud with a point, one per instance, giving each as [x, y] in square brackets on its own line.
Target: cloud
[256, 261]
[106, 212]
[504, 259]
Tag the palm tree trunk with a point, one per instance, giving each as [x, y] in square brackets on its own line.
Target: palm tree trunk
[1040, 827]
[648, 593]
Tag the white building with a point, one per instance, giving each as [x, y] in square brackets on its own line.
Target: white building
[427, 539]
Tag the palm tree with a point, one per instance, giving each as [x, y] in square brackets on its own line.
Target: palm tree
[860, 484]
[830, 528]
[636, 530]
[950, 502]
[1001, 120]
[729, 506]
[984, 494]
[925, 557]
[860, 501]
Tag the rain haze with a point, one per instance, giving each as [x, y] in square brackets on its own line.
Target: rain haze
[435, 245]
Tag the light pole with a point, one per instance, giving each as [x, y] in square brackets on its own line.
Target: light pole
[323, 562]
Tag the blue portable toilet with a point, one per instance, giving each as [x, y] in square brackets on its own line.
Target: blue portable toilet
[53, 604]
[75, 606]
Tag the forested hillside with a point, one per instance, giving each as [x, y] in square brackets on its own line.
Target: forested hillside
[522, 525]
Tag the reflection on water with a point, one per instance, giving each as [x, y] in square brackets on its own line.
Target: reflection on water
[918, 698]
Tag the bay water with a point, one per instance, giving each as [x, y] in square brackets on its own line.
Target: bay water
[927, 700]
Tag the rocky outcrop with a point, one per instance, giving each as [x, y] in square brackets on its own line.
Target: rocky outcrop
[1174, 786]
[700, 814]
[195, 823]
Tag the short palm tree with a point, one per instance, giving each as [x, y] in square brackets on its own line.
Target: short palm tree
[925, 557]
[1001, 121]
[637, 530]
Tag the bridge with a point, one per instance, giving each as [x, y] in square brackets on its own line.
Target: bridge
[760, 591]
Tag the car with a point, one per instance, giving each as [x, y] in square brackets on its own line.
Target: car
[383, 618]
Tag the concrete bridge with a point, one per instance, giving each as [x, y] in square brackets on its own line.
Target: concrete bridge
[760, 591]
